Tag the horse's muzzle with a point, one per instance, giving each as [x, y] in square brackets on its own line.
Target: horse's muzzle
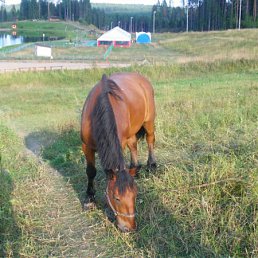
[125, 229]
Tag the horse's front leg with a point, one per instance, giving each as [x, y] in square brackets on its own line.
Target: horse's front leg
[150, 138]
[89, 202]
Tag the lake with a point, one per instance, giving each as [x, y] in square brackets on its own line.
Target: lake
[11, 38]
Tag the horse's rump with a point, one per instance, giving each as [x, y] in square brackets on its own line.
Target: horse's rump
[132, 101]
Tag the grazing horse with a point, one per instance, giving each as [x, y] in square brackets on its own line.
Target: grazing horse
[117, 112]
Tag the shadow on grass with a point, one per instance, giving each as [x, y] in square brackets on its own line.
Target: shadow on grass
[159, 233]
[10, 233]
[62, 151]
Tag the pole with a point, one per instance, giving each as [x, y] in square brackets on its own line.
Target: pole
[131, 25]
[239, 16]
[48, 10]
[39, 9]
[153, 26]
[187, 18]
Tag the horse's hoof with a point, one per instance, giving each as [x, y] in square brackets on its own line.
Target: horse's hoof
[138, 168]
[152, 166]
[89, 204]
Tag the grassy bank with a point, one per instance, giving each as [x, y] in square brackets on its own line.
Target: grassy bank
[202, 200]
[37, 28]
[167, 48]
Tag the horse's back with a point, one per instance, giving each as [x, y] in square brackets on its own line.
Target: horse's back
[133, 82]
[135, 107]
[137, 93]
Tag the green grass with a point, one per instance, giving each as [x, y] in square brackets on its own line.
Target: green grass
[201, 201]
[37, 28]
[7, 48]
[6, 25]
[166, 48]
[228, 45]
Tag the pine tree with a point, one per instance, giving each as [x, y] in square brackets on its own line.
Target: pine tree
[24, 10]
[13, 13]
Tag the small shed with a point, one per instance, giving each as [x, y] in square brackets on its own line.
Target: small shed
[143, 37]
[44, 51]
[116, 37]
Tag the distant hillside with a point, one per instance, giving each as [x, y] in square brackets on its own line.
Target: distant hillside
[123, 8]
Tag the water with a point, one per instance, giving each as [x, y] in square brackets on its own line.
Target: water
[10, 39]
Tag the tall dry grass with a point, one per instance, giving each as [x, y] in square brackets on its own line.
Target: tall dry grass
[201, 201]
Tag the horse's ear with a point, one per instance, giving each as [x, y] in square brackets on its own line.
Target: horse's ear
[104, 78]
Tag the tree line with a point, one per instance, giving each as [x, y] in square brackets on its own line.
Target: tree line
[206, 15]
[73, 10]
[194, 15]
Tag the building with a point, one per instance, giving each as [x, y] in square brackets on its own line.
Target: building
[116, 37]
[143, 37]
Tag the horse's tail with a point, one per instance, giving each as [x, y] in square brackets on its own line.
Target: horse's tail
[104, 128]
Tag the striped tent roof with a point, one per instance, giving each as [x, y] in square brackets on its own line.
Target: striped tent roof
[116, 34]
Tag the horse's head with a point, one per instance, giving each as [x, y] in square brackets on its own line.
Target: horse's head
[121, 194]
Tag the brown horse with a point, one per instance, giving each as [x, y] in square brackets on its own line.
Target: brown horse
[117, 112]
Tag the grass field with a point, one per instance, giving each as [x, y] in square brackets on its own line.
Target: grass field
[66, 30]
[166, 48]
[201, 201]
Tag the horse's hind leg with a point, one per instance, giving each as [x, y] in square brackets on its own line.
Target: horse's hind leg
[132, 145]
[89, 202]
[150, 138]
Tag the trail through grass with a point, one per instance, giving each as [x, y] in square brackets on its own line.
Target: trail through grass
[201, 201]
[40, 213]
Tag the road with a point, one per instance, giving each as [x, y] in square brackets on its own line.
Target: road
[30, 65]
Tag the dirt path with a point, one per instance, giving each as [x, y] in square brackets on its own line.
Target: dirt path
[63, 229]
[25, 65]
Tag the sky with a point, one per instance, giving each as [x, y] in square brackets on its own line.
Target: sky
[148, 2]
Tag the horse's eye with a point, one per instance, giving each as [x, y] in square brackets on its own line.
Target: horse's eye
[116, 198]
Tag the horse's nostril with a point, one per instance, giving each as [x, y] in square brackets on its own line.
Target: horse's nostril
[125, 229]
[122, 228]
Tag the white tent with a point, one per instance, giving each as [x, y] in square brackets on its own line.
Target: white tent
[116, 37]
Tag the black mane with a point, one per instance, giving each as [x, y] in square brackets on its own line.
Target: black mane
[104, 130]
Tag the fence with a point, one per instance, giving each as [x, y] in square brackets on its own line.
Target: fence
[16, 49]
[107, 53]
[38, 68]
